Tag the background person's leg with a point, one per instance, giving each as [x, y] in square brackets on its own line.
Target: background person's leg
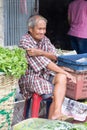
[74, 43]
[82, 44]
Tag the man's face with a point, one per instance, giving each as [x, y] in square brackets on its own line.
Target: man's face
[39, 30]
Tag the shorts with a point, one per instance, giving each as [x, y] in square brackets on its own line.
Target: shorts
[50, 80]
[46, 96]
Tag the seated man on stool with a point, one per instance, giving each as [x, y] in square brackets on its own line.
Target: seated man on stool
[43, 76]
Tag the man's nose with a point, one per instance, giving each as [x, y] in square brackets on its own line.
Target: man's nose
[42, 31]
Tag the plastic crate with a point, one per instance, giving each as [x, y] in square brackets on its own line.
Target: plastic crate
[76, 62]
[79, 90]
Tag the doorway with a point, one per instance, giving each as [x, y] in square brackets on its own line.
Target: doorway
[56, 13]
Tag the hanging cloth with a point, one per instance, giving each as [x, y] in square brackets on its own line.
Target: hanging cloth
[23, 6]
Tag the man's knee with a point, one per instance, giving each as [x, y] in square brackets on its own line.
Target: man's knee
[60, 78]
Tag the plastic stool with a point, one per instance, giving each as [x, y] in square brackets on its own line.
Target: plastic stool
[36, 100]
[35, 107]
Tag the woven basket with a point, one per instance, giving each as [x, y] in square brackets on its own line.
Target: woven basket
[7, 93]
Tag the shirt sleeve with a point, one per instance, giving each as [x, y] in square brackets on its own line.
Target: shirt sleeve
[25, 43]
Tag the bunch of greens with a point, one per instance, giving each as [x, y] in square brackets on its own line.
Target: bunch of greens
[13, 61]
[45, 124]
[81, 126]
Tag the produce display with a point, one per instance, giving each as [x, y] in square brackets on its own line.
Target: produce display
[13, 61]
[45, 124]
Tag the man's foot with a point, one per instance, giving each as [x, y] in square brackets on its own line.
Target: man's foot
[65, 118]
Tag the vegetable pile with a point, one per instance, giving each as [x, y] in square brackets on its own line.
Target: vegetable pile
[13, 61]
[45, 124]
[81, 126]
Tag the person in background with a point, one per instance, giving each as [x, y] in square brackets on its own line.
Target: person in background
[77, 17]
[43, 76]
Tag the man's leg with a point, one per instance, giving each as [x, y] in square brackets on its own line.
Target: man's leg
[58, 96]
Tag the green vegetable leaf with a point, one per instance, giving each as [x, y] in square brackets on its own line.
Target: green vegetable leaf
[13, 61]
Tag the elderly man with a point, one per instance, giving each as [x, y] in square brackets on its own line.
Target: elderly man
[43, 76]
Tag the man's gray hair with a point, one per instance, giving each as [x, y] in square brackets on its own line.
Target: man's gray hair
[33, 20]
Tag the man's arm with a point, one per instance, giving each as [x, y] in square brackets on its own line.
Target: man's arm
[39, 52]
[52, 66]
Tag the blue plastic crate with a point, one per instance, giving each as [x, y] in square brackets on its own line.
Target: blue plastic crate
[77, 62]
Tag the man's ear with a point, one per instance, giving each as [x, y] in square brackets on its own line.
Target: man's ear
[30, 30]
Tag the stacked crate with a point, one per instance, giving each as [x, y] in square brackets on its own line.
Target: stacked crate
[77, 66]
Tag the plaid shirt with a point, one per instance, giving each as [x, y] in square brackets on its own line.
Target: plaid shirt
[37, 74]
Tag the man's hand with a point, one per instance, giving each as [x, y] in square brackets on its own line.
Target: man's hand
[39, 52]
[71, 77]
[34, 52]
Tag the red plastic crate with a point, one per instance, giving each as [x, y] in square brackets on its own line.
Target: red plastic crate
[79, 90]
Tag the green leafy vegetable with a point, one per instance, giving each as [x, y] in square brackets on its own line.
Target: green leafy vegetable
[46, 124]
[13, 61]
[42, 124]
[79, 127]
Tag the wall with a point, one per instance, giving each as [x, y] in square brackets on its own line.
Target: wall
[15, 20]
[1, 24]
[13, 23]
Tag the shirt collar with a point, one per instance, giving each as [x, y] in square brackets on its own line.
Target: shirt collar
[36, 43]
